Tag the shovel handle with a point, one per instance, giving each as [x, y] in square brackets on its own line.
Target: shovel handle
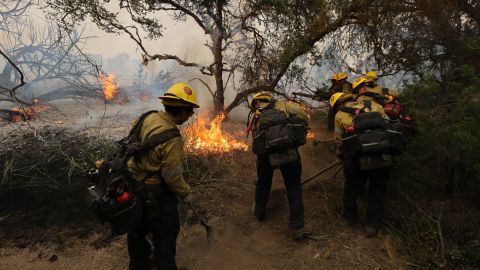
[322, 171]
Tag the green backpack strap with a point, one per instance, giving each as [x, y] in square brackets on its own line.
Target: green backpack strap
[133, 135]
[349, 110]
[154, 140]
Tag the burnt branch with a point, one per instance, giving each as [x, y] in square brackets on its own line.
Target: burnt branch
[22, 77]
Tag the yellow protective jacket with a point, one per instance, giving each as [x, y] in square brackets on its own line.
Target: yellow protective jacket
[166, 158]
[344, 119]
[379, 90]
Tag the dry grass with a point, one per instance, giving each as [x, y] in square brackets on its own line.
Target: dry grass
[51, 157]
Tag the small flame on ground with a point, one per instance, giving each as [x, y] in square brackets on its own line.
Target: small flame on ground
[310, 135]
[205, 136]
[110, 88]
[28, 113]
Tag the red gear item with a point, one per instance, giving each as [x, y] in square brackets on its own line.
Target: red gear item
[350, 129]
[125, 196]
[393, 110]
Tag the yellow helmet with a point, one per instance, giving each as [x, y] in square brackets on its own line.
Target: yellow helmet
[180, 94]
[371, 76]
[260, 96]
[341, 76]
[335, 97]
[358, 82]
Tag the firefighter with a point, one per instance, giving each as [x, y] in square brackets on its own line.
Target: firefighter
[354, 173]
[272, 125]
[371, 81]
[339, 84]
[160, 174]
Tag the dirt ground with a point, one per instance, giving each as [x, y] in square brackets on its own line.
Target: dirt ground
[239, 242]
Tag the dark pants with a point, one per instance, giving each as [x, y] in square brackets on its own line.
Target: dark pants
[161, 220]
[330, 120]
[291, 173]
[377, 187]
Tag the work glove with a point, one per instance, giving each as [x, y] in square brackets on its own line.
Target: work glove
[190, 203]
[188, 200]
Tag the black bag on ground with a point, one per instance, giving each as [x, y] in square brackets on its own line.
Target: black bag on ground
[117, 201]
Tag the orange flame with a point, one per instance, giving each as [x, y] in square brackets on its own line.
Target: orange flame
[110, 88]
[310, 135]
[28, 113]
[205, 136]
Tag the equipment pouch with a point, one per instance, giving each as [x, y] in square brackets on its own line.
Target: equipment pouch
[369, 121]
[371, 162]
[278, 137]
[122, 216]
[284, 156]
[374, 142]
[299, 133]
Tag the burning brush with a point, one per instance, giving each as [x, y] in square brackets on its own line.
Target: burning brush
[26, 113]
[110, 88]
[205, 136]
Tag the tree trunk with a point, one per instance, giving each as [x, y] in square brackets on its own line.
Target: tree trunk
[219, 97]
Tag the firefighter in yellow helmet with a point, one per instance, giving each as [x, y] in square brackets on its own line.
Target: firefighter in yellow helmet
[371, 82]
[279, 129]
[159, 181]
[351, 121]
[339, 85]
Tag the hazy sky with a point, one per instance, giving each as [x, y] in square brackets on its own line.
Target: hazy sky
[180, 38]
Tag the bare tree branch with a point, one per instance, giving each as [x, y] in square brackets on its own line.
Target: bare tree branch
[205, 84]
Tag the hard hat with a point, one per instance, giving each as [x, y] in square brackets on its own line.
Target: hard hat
[260, 96]
[335, 97]
[358, 82]
[341, 76]
[180, 94]
[371, 76]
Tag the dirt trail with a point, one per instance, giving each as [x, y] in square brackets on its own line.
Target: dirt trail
[240, 241]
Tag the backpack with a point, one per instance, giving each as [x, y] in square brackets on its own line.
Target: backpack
[372, 141]
[114, 189]
[277, 131]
